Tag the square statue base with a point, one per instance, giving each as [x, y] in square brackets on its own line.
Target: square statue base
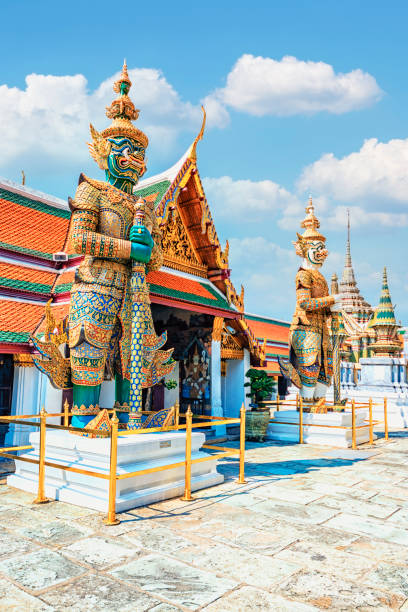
[287, 429]
[135, 452]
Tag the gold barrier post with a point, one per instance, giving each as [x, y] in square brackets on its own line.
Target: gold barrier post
[66, 411]
[353, 425]
[300, 420]
[177, 414]
[277, 402]
[187, 488]
[241, 479]
[41, 499]
[370, 415]
[385, 418]
[111, 519]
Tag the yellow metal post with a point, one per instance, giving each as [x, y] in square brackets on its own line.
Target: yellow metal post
[177, 415]
[370, 415]
[241, 479]
[66, 410]
[277, 403]
[300, 420]
[353, 424]
[385, 418]
[111, 519]
[189, 426]
[41, 499]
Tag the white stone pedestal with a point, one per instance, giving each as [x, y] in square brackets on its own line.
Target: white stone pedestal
[287, 429]
[135, 452]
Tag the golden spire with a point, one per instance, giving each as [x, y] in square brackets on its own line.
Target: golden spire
[123, 112]
[311, 224]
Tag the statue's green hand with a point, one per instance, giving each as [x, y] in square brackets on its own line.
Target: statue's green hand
[140, 252]
[140, 234]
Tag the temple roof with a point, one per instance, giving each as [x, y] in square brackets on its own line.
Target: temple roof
[273, 334]
[384, 314]
[353, 302]
[25, 216]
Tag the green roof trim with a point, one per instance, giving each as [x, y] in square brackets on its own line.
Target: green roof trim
[63, 288]
[33, 252]
[219, 302]
[25, 285]
[34, 204]
[265, 320]
[17, 337]
[160, 188]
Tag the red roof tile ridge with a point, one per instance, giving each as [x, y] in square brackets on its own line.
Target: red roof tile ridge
[23, 263]
[9, 298]
[33, 194]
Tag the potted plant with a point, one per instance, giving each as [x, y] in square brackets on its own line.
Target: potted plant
[261, 387]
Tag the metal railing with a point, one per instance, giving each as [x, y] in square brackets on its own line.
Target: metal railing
[115, 433]
[298, 404]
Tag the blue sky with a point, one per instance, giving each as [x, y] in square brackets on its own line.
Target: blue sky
[329, 119]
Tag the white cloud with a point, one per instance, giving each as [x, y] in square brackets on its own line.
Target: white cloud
[377, 173]
[264, 86]
[48, 120]
[260, 265]
[252, 200]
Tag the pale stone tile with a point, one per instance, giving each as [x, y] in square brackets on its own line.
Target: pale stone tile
[332, 592]
[294, 513]
[101, 552]
[40, 569]
[11, 544]
[157, 539]
[393, 578]
[248, 599]
[288, 495]
[359, 507]
[255, 540]
[370, 527]
[15, 600]
[379, 550]
[61, 510]
[98, 594]
[21, 518]
[243, 566]
[174, 581]
[326, 559]
[54, 532]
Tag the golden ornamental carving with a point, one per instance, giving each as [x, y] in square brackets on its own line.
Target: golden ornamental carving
[23, 360]
[233, 297]
[230, 346]
[218, 327]
[177, 249]
[222, 257]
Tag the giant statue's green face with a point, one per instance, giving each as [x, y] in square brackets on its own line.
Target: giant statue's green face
[126, 160]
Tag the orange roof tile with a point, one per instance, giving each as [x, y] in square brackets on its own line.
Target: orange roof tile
[270, 331]
[24, 273]
[179, 283]
[31, 230]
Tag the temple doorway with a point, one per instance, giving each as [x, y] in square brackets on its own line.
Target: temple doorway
[6, 391]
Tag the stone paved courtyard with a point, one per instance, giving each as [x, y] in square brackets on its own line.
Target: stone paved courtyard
[313, 529]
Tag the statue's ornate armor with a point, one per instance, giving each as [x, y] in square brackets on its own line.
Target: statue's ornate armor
[310, 343]
[100, 315]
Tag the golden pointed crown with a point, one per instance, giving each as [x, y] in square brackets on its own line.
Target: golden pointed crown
[311, 224]
[123, 112]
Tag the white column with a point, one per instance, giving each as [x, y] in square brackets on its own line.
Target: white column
[171, 396]
[216, 402]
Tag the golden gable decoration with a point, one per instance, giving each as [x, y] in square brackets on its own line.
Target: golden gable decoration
[177, 249]
[230, 346]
